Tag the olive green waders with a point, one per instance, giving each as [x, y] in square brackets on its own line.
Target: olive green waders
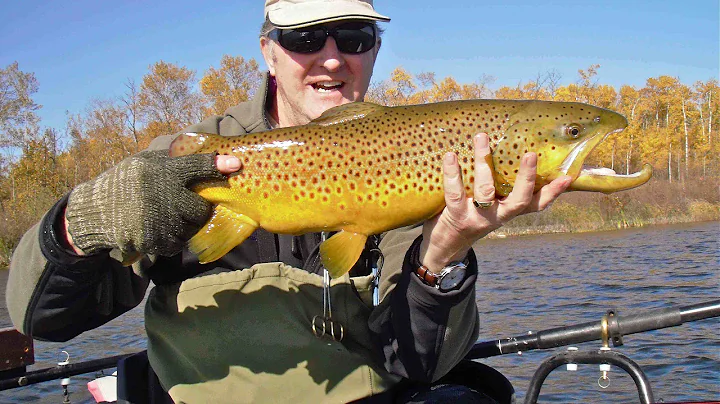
[246, 336]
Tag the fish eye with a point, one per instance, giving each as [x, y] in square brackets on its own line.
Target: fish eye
[573, 131]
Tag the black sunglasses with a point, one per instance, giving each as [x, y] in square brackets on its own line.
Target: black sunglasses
[351, 37]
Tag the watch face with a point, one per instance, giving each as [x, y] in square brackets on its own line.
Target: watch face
[452, 278]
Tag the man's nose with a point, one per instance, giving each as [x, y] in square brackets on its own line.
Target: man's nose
[330, 57]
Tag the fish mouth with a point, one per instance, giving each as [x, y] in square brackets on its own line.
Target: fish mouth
[599, 179]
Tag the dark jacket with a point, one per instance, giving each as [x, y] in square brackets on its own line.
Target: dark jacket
[53, 294]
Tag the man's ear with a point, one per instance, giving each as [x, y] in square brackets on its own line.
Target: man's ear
[377, 47]
[266, 47]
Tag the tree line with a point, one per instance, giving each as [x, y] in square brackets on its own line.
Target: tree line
[672, 125]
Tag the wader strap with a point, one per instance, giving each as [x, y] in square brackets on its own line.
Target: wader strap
[267, 245]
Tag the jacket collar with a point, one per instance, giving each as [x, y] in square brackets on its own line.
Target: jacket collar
[251, 114]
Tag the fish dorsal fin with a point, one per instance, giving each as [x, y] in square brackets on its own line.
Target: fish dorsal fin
[346, 113]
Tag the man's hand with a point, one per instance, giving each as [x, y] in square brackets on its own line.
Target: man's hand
[143, 204]
[448, 236]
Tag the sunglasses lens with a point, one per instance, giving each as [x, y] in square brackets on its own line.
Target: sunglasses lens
[302, 41]
[355, 38]
[350, 38]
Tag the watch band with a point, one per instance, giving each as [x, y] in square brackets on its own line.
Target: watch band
[428, 277]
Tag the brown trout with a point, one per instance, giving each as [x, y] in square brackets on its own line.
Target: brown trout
[363, 169]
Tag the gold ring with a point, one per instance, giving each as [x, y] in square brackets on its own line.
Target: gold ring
[483, 205]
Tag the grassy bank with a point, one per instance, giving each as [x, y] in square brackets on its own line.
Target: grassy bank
[658, 202]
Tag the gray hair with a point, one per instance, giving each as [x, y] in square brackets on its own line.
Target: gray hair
[266, 28]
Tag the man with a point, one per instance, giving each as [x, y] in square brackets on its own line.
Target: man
[241, 328]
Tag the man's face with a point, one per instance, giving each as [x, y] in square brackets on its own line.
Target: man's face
[309, 84]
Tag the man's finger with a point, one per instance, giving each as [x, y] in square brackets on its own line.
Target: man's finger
[452, 181]
[227, 164]
[522, 193]
[547, 194]
[484, 185]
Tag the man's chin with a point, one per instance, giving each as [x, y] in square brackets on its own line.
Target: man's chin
[324, 104]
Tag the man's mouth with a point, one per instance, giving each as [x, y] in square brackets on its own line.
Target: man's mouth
[327, 86]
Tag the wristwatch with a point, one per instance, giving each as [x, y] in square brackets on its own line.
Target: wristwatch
[448, 279]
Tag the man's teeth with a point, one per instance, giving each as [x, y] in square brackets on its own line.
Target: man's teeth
[328, 85]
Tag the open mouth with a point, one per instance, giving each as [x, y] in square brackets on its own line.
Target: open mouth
[600, 179]
[328, 86]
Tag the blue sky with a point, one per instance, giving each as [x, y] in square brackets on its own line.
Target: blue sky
[84, 49]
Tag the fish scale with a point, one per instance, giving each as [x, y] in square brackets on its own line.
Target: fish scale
[363, 169]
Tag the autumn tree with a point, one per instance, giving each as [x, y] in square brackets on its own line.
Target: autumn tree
[131, 101]
[234, 82]
[103, 136]
[399, 89]
[706, 96]
[448, 89]
[167, 99]
[17, 108]
[628, 103]
[532, 90]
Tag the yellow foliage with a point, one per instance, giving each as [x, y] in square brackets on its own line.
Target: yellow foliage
[234, 82]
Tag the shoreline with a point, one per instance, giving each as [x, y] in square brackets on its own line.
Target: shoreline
[508, 232]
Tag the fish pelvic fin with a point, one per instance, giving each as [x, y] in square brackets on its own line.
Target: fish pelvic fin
[225, 230]
[341, 251]
[189, 143]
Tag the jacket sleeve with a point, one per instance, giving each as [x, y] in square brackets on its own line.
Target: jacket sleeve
[54, 294]
[422, 331]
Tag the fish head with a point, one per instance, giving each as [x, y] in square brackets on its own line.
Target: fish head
[563, 135]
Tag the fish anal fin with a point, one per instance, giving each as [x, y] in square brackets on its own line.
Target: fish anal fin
[225, 230]
[341, 251]
[189, 143]
[346, 113]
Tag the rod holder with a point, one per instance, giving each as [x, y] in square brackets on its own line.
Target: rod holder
[600, 357]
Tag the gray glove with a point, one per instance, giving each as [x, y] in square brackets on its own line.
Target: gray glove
[142, 204]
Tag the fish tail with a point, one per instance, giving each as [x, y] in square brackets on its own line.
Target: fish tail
[225, 230]
[341, 251]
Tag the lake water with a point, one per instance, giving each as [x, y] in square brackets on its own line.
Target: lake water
[535, 283]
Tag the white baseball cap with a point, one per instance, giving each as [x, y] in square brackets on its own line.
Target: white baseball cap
[302, 13]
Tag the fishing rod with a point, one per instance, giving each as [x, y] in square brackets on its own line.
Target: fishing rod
[611, 328]
[61, 371]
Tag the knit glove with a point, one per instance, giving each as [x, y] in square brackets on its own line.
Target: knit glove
[143, 204]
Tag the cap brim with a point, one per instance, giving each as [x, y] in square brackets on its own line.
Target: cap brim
[307, 14]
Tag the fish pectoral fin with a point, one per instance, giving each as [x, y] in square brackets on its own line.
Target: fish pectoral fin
[189, 143]
[347, 112]
[225, 230]
[341, 251]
